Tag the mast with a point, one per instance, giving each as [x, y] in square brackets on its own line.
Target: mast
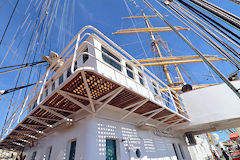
[155, 44]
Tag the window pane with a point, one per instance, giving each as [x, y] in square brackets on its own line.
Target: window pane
[155, 88]
[34, 105]
[181, 150]
[69, 72]
[129, 71]
[72, 150]
[75, 65]
[85, 57]
[141, 78]
[60, 80]
[53, 86]
[46, 93]
[175, 150]
[34, 155]
[109, 60]
[49, 153]
[111, 149]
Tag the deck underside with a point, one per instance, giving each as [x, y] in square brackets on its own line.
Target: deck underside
[90, 92]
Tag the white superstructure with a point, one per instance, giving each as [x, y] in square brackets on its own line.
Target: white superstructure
[99, 105]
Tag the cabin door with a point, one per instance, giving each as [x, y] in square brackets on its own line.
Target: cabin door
[111, 149]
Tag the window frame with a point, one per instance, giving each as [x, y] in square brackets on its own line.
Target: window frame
[129, 70]
[141, 78]
[46, 92]
[70, 147]
[175, 150]
[111, 59]
[155, 88]
[85, 57]
[69, 72]
[49, 152]
[60, 80]
[34, 155]
[181, 151]
[117, 148]
[53, 86]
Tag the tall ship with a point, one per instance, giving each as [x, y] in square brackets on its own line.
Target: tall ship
[94, 101]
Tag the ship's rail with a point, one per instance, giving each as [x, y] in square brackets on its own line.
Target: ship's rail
[76, 49]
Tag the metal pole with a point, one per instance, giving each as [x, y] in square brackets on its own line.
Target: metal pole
[235, 90]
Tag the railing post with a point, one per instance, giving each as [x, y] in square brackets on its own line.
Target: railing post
[24, 104]
[174, 104]
[44, 82]
[75, 53]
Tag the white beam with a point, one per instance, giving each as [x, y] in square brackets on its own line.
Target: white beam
[39, 121]
[116, 92]
[18, 144]
[146, 113]
[75, 101]
[134, 109]
[62, 110]
[53, 112]
[48, 119]
[173, 124]
[32, 129]
[72, 94]
[132, 105]
[23, 140]
[88, 91]
[165, 119]
[155, 113]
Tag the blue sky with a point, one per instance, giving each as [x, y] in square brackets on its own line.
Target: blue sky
[105, 15]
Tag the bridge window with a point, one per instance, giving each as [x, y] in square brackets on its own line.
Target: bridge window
[34, 105]
[112, 60]
[46, 93]
[53, 86]
[181, 150]
[141, 78]
[34, 155]
[60, 79]
[69, 72]
[129, 71]
[85, 57]
[49, 151]
[111, 153]
[72, 150]
[75, 66]
[175, 150]
[41, 97]
[155, 88]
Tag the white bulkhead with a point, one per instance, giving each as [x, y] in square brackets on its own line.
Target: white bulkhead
[91, 134]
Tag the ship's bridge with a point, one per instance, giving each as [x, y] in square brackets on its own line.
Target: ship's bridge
[98, 79]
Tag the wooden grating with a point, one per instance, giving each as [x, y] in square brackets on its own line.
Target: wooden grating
[98, 85]
[149, 106]
[125, 98]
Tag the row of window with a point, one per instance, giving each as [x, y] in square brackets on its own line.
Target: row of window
[115, 62]
[111, 153]
[71, 154]
[111, 150]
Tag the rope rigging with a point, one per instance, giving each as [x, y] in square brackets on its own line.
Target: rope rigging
[233, 88]
[2, 92]
[211, 21]
[20, 66]
[218, 13]
[6, 28]
[210, 33]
